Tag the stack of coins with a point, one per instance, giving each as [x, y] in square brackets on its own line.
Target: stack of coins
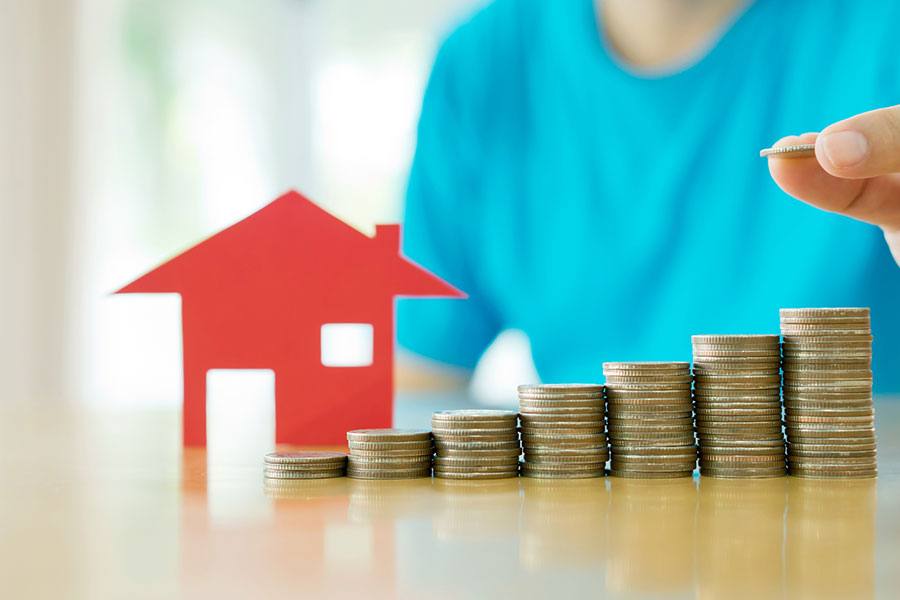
[829, 416]
[651, 432]
[305, 465]
[562, 431]
[476, 444]
[737, 396]
[389, 453]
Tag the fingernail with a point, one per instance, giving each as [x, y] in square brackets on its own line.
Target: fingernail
[845, 148]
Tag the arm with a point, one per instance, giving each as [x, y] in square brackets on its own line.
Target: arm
[445, 338]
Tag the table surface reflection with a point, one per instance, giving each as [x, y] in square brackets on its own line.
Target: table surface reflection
[104, 504]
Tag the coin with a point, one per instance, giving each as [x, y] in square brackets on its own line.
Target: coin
[388, 435]
[738, 405]
[832, 446]
[650, 475]
[475, 475]
[825, 313]
[444, 461]
[789, 151]
[811, 474]
[305, 458]
[585, 418]
[387, 446]
[561, 388]
[296, 474]
[470, 468]
[743, 473]
[654, 379]
[553, 427]
[474, 446]
[646, 441]
[563, 417]
[488, 454]
[379, 474]
[539, 459]
[534, 471]
[829, 415]
[469, 415]
[389, 464]
[586, 411]
[645, 366]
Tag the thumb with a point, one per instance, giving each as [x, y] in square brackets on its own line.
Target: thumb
[863, 146]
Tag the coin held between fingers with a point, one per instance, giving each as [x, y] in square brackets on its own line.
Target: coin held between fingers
[791, 151]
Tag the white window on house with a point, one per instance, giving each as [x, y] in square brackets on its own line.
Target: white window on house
[347, 344]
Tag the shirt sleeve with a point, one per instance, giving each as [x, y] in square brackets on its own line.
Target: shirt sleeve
[440, 219]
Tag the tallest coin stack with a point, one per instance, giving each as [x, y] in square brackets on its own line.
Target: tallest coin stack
[829, 414]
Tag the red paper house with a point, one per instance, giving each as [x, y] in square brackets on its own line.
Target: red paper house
[257, 295]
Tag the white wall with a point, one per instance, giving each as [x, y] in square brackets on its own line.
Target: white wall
[203, 112]
[35, 196]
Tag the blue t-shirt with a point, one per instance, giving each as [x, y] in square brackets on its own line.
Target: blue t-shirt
[611, 215]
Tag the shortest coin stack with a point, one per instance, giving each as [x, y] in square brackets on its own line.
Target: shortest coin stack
[476, 444]
[305, 465]
[389, 453]
[563, 431]
[651, 431]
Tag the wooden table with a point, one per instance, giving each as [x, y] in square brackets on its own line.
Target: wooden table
[104, 504]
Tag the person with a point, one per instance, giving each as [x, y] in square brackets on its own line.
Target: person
[588, 172]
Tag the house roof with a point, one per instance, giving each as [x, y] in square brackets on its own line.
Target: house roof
[294, 240]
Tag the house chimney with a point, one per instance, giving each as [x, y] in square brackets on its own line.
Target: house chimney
[388, 236]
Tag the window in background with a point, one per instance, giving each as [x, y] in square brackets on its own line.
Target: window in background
[193, 114]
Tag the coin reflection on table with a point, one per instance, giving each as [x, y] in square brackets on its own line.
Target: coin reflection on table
[740, 534]
[305, 489]
[386, 499]
[476, 509]
[564, 524]
[830, 544]
[652, 525]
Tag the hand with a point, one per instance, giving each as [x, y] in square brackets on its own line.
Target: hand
[856, 171]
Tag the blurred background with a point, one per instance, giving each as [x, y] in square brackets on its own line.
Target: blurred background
[133, 129]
